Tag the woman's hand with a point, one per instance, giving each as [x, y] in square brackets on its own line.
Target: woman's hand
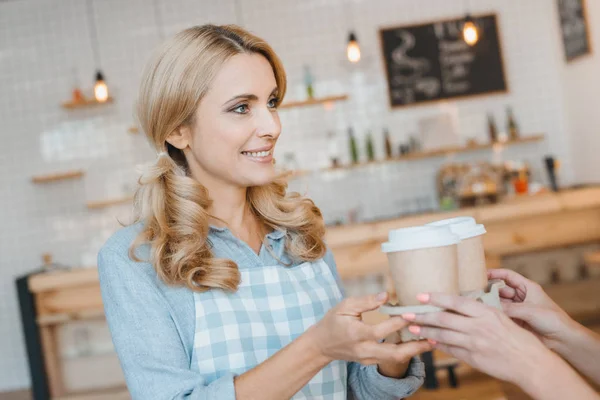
[480, 335]
[488, 340]
[531, 308]
[527, 303]
[342, 335]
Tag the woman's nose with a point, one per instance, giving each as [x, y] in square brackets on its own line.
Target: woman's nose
[268, 124]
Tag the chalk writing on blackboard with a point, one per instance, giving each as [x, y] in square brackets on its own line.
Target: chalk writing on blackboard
[432, 62]
[574, 29]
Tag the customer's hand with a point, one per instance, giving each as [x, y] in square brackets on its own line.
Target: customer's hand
[480, 335]
[530, 307]
[488, 340]
[342, 335]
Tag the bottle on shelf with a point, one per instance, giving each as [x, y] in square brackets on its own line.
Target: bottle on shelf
[369, 146]
[388, 144]
[353, 148]
[308, 82]
[404, 149]
[333, 150]
[492, 130]
[511, 125]
[552, 165]
[414, 143]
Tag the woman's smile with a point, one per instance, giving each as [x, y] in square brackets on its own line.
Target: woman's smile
[260, 155]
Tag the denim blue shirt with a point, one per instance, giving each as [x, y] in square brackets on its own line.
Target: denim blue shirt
[152, 325]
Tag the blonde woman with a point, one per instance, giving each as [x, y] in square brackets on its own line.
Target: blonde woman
[224, 288]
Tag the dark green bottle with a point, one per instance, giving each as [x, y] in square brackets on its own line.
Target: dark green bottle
[353, 148]
[370, 147]
[492, 131]
[308, 81]
[388, 144]
[511, 125]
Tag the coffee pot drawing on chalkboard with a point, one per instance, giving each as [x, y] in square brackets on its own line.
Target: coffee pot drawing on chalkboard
[411, 70]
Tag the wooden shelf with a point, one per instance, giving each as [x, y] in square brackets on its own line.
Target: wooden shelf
[62, 318]
[310, 102]
[62, 280]
[95, 205]
[60, 176]
[70, 105]
[427, 154]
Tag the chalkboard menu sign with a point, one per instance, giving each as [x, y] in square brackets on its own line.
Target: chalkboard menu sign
[574, 29]
[430, 62]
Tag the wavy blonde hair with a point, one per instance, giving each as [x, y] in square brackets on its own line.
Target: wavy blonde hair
[172, 205]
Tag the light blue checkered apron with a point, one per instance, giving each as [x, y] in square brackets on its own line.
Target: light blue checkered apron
[273, 306]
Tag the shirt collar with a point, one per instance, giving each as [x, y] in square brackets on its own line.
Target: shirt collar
[276, 234]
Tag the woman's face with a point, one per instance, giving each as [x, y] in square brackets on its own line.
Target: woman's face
[236, 125]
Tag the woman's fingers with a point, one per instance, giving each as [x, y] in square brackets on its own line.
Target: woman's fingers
[413, 348]
[354, 306]
[463, 305]
[513, 280]
[385, 328]
[508, 292]
[440, 319]
[443, 336]
[399, 353]
[507, 275]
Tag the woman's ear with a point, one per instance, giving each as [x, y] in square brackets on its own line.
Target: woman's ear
[180, 138]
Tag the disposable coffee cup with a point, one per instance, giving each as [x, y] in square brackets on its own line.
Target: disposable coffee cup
[422, 259]
[472, 270]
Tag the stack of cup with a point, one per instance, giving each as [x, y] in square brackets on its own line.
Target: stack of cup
[445, 256]
[472, 270]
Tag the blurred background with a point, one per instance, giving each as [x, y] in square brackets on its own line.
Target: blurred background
[397, 111]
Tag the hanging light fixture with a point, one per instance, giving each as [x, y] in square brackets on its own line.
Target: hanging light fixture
[100, 88]
[353, 50]
[470, 31]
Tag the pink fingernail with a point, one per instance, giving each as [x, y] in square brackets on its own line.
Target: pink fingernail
[409, 316]
[433, 342]
[414, 329]
[423, 297]
[382, 296]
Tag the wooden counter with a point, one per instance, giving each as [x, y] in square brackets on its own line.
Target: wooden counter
[516, 226]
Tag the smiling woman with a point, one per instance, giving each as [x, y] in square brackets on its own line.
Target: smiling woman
[213, 138]
[223, 288]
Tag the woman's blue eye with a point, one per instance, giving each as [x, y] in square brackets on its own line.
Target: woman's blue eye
[241, 109]
[273, 102]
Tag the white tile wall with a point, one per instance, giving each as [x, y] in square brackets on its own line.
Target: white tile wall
[44, 48]
[583, 113]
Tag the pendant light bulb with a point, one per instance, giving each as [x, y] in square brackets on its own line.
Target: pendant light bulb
[100, 88]
[353, 50]
[470, 32]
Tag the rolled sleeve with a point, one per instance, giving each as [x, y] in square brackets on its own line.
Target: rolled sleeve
[366, 383]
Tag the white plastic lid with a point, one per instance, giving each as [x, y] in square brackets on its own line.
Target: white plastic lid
[419, 237]
[464, 227]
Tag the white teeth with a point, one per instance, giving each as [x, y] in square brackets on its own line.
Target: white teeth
[257, 153]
